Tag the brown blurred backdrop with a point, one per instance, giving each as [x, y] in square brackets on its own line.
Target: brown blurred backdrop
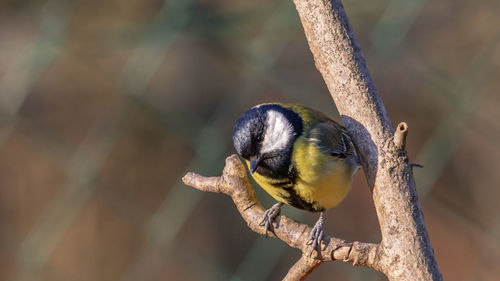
[104, 105]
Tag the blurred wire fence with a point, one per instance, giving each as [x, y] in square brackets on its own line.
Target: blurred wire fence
[104, 105]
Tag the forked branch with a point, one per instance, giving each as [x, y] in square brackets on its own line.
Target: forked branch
[235, 183]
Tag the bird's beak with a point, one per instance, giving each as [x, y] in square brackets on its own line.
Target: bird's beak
[254, 163]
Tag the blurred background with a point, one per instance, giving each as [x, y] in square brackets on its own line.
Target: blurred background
[105, 105]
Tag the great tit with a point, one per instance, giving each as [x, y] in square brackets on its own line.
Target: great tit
[299, 156]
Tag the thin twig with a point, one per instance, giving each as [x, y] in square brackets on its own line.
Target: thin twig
[302, 268]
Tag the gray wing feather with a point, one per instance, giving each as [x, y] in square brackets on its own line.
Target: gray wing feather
[332, 138]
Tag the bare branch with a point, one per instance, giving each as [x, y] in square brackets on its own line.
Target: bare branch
[235, 183]
[203, 183]
[302, 268]
[405, 251]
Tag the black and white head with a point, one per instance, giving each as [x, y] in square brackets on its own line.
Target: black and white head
[264, 135]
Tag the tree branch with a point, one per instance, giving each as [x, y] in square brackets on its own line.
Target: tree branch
[235, 183]
[406, 252]
[302, 268]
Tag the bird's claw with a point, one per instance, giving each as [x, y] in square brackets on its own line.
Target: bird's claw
[269, 217]
[317, 236]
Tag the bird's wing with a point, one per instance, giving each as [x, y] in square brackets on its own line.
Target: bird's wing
[332, 138]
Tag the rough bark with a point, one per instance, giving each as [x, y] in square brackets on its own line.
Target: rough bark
[405, 250]
[302, 268]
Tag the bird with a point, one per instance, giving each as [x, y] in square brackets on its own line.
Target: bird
[300, 157]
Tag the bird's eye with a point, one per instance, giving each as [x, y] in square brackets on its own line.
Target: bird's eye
[259, 138]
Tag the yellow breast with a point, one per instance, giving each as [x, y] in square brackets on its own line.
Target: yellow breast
[326, 192]
[324, 180]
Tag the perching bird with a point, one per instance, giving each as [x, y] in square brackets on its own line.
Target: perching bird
[299, 156]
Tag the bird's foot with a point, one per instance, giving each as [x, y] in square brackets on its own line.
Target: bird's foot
[317, 236]
[270, 215]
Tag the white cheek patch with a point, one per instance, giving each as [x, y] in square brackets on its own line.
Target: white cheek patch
[278, 133]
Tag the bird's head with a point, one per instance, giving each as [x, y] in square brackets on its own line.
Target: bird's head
[264, 135]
